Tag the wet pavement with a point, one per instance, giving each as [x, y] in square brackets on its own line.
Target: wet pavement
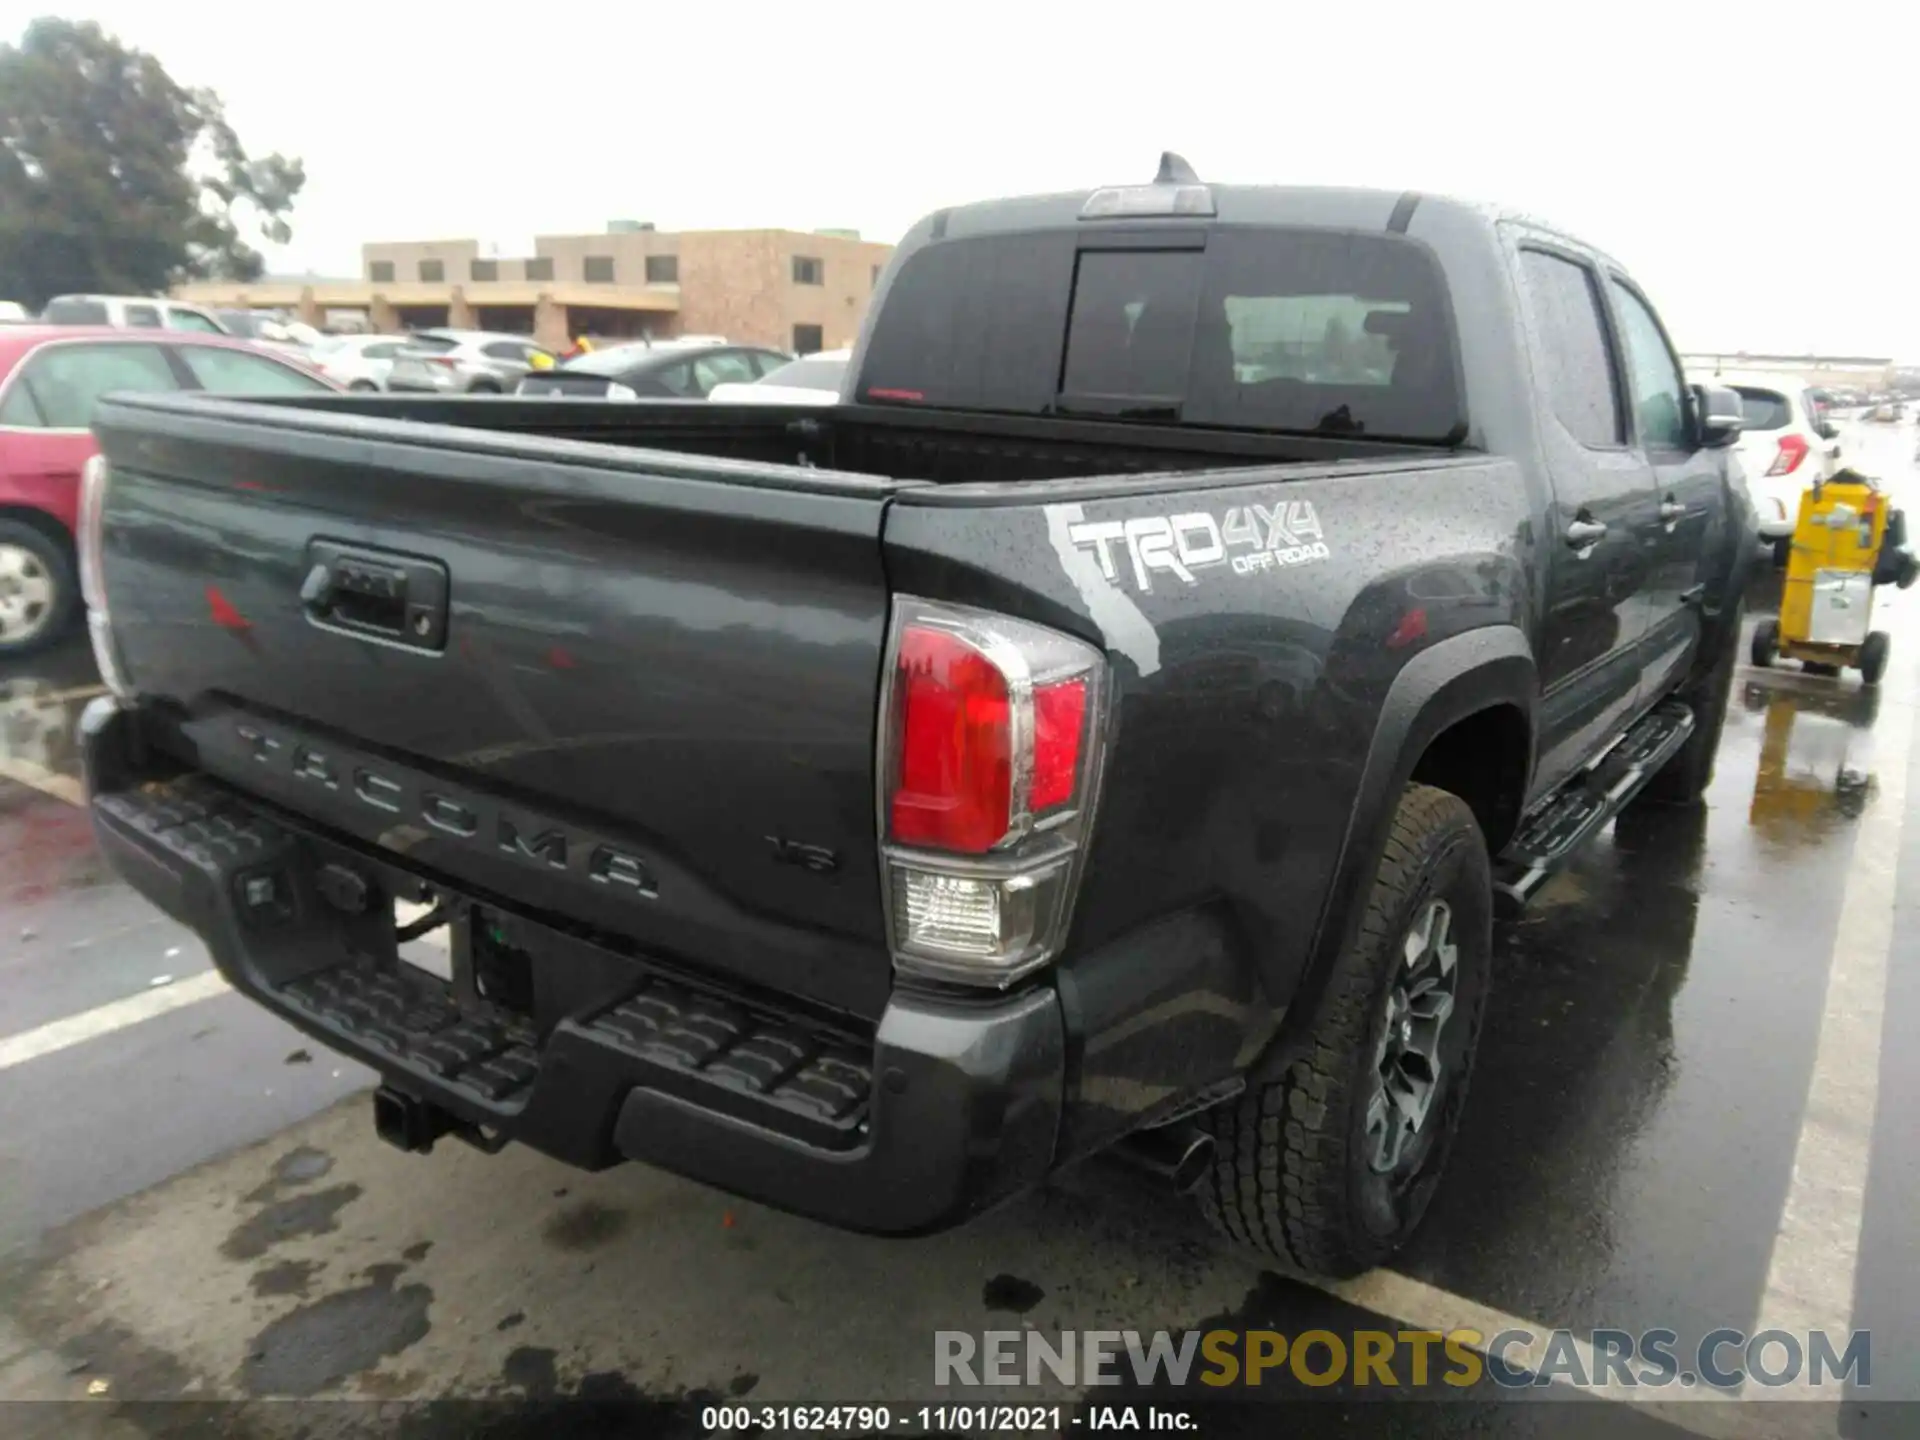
[1678, 1120]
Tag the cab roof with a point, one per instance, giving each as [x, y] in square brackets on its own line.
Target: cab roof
[1316, 206]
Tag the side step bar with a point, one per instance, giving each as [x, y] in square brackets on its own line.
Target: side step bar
[1575, 812]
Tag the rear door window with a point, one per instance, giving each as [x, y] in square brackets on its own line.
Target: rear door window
[238, 372]
[727, 367]
[675, 379]
[179, 319]
[65, 382]
[1571, 338]
[1264, 328]
[143, 317]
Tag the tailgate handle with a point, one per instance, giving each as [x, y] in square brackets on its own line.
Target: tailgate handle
[401, 599]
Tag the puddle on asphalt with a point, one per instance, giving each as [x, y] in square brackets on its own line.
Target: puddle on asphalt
[338, 1336]
[300, 1217]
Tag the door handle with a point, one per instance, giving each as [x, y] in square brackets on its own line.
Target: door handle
[1582, 534]
[1671, 511]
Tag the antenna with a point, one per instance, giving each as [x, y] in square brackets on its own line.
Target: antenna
[1175, 171]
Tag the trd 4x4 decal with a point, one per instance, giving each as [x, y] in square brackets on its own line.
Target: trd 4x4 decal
[1250, 538]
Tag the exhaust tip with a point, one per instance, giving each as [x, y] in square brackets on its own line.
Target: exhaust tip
[1178, 1154]
[1191, 1167]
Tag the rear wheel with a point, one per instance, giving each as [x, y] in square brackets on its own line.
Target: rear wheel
[1873, 657]
[1330, 1166]
[1782, 551]
[1766, 643]
[483, 387]
[364, 386]
[38, 589]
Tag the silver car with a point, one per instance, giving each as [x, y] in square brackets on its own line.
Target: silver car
[464, 362]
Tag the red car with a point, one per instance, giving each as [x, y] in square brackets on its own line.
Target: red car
[51, 376]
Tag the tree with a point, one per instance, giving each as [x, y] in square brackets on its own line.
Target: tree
[114, 178]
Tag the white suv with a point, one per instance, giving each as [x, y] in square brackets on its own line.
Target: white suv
[1787, 443]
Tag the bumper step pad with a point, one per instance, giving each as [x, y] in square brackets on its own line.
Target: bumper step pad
[494, 1060]
[805, 1074]
[783, 1072]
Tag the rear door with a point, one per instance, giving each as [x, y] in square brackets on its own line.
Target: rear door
[1687, 500]
[1597, 571]
[49, 402]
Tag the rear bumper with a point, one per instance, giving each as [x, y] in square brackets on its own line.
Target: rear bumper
[942, 1110]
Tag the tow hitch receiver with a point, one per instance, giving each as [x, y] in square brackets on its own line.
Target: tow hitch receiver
[409, 1124]
[412, 1124]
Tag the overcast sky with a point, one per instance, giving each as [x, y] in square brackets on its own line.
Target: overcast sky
[1752, 163]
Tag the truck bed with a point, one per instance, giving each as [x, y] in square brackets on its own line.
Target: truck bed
[898, 443]
[659, 639]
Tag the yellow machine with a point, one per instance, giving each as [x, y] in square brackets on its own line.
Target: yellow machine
[1847, 540]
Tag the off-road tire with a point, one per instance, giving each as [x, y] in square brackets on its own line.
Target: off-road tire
[1290, 1175]
[1684, 778]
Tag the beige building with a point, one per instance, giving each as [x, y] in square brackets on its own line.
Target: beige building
[785, 288]
[1830, 372]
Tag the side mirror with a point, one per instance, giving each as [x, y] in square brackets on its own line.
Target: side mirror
[1721, 418]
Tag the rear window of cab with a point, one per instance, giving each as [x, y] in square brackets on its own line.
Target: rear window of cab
[1294, 330]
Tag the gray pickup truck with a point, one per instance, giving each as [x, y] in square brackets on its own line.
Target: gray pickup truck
[1114, 726]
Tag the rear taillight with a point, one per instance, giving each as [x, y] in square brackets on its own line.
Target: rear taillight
[991, 739]
[1793, 449]
[91, 540]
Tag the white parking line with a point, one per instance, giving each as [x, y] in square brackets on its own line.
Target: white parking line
[55, 697]
[39, 777]
[1816, 1253]
[74, 1030]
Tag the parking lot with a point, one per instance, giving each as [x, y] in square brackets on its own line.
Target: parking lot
[1693, 1109]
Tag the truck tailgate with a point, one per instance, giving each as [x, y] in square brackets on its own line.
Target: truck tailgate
[628, 688]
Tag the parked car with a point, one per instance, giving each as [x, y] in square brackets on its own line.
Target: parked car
[291, 337]
[1058, 746]
[135, 312]
[12, 312]
[669, 371]
[811, 380]
[463, 362]
[51, 380]
[1786, 444]
[359, 362]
